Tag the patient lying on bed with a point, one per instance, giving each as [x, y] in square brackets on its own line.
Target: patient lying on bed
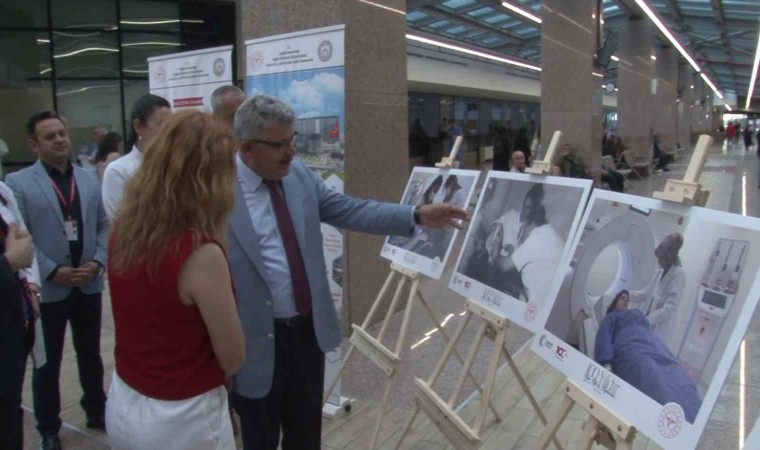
[639, 356]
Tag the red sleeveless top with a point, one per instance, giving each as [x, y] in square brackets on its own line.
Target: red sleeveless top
[163, 349]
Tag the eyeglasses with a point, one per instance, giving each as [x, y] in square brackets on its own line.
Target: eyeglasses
[279, 145]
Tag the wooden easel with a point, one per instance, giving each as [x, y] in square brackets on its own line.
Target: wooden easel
[383, 357]
[544, 167]
[494, 327]
[604, 426]
[688, 191]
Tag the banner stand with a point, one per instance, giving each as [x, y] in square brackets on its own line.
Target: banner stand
[604, 426]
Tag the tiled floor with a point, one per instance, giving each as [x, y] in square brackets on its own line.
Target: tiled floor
[732, 177]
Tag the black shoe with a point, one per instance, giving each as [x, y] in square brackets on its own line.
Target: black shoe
[96, 422]
[50, 442]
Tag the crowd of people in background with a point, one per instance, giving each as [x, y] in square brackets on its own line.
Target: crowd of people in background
[204, 230]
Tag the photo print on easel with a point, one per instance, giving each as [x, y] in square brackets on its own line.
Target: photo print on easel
[652, 310]
[519, 235]
[428, 249]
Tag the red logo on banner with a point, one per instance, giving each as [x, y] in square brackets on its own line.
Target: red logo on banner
[334, 134]
[188, 102]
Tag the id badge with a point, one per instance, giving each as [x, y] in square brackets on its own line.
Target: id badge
[72, 230]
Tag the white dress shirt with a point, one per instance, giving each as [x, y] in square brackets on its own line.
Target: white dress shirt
[12, 216]
[116, 175]
[267, 234]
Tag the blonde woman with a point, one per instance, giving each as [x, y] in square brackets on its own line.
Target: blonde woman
[178, 336]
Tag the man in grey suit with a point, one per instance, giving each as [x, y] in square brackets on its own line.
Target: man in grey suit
[61, 206]
[275, 252]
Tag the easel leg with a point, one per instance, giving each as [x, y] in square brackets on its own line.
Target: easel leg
[468, 364]
[437, 370]
[589, 431]
[528, 392]
[391, 309]
[551, 428]
[458, 356]
[378, 300]
[407, 315]
[340, 372]
[490, 379]
[408, 426]
[381, 412]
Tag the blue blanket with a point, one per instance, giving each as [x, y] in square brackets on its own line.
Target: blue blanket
[639, 356]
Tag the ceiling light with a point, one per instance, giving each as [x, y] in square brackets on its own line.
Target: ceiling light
[602, 21]
[615, 58]
[597, 74]
[752, 80]
[712, 86]
[643, 5]
[692, 86]
[654, 58]
[616, 89]
[521, 11]
[472, 52]
[89, 49]
[727, 107]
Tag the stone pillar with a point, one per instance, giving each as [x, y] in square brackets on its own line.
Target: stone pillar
[698, 112]
[685, 102]
[635, 71]
[377, 154]
[664, 101]
[571, 97]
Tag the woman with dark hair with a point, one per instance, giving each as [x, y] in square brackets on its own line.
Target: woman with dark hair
[109, 151]
[429, 195]
[529, 245]
[148, 115]
[637, 354]
[659, 301]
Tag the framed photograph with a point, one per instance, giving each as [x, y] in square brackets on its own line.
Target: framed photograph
[518, 238]
[428, 250]
[652, 310]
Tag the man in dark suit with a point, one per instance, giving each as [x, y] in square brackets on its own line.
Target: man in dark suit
[60, 204]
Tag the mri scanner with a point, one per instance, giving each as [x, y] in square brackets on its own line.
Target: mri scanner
[631, 237]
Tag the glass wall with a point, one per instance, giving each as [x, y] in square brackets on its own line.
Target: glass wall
[88, 59]
[479, 118]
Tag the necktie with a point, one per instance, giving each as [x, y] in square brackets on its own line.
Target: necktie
[301, 290]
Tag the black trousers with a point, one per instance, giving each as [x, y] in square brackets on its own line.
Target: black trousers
[294, 403]
[84, 313]
[11, 414]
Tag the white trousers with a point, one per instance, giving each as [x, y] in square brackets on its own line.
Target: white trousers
[137, 422]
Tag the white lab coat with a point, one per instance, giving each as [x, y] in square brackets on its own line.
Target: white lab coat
[537, 258]
[663, 294]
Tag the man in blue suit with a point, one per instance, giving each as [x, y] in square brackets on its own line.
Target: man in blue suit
[275, 252]
[60, 204]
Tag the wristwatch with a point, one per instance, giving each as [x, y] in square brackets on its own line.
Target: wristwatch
[418, 215]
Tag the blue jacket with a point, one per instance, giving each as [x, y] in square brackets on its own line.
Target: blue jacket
[310, 202]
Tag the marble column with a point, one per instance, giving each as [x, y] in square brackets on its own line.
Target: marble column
[635, 72]
[664, 101]
[685, 102]
[698, 112]
[571, 97]
[377, 154]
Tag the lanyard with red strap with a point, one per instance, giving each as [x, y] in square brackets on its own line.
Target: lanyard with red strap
[72, 192]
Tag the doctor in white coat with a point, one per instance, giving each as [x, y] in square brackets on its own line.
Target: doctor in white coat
[530, 245]
[659, 301]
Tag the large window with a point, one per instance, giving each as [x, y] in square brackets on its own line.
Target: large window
[88, 59]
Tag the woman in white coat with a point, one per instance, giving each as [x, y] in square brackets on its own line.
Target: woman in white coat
[659, 301]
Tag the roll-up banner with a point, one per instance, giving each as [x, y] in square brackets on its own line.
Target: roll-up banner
[187, 79]
[306, 70]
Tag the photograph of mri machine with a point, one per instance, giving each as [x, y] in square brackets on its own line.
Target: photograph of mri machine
[654, 295]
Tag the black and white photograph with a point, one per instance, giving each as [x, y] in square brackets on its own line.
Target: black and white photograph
[653, 306]
[519, 234]
[427, 250]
